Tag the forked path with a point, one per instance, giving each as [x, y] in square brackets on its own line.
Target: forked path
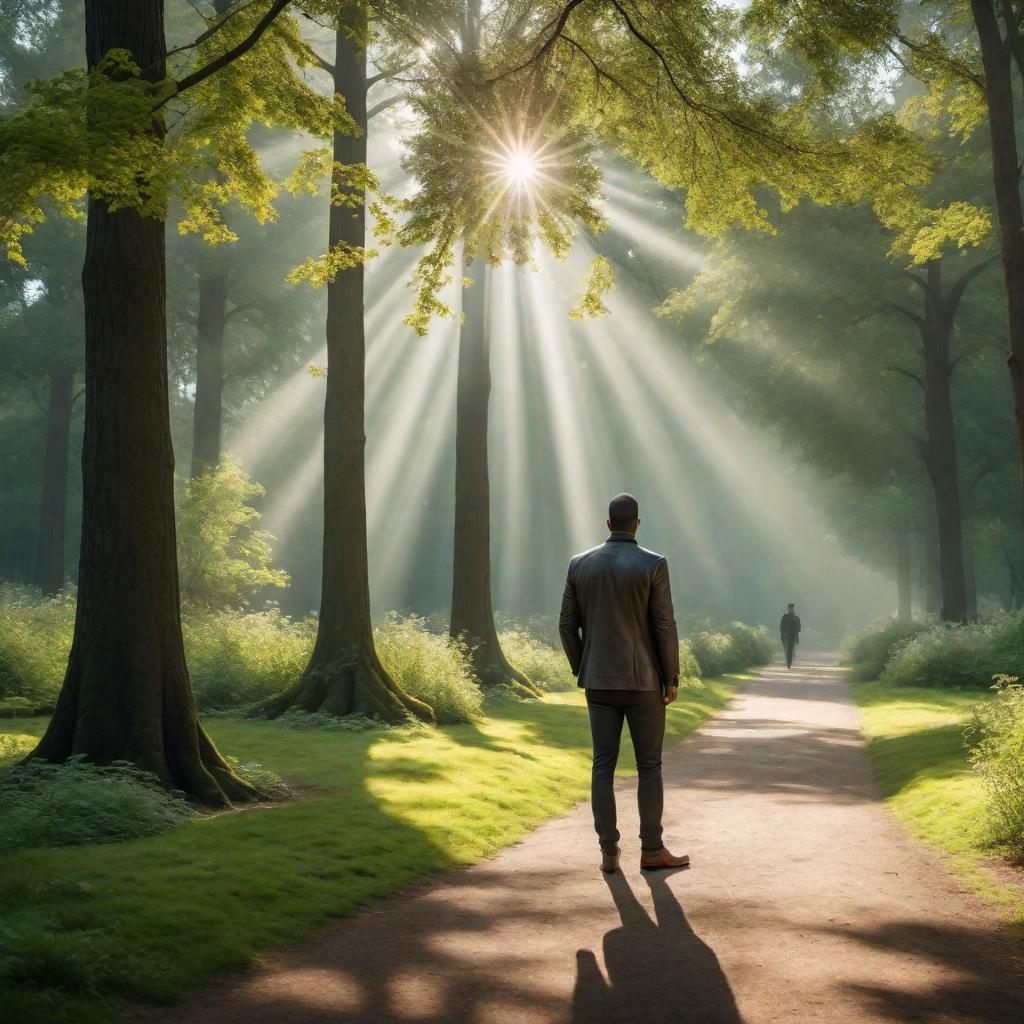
[806, 903]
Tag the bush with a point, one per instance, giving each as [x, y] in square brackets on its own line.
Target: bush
[997, 735]
[222, 558]
[728, 649]
[238, 658]
[69, 804]
[539, 661]
[751, 645]
[689, 667]
[970, 655]
[429, 666]
[35, 638]
[868, 652]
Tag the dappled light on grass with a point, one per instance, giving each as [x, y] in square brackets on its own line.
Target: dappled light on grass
[379, 808]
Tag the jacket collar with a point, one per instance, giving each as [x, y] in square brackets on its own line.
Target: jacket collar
[621, 535]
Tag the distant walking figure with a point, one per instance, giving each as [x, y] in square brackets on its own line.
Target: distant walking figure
[619, 633]
[789, 628]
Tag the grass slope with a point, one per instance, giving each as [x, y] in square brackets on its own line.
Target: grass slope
[916, 747]
[151, 918]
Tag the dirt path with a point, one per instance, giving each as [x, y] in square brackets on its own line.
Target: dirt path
[806, 903]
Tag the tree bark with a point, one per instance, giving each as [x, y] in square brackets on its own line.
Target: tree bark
[932, 584]
[53, 507]
[903, 599]
[212, 317]
[940, 451]
[472, 615]
[995, 56]
[126, 694]
[344, 674]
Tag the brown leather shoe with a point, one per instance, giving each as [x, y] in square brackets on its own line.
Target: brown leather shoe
[610, 861]
[659, 860]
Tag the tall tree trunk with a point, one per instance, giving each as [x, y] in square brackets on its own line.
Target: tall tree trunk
[126, 694]
[932, 580]
[996, 56]
[903, 599]
[53, 507]
[472, 615]
[344, 674]
[970, 582]
[207, 414]
[940, 451]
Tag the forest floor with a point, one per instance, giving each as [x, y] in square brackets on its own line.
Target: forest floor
[152, 918]
[807, 902]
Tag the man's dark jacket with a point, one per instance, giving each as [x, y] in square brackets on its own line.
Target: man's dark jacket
[789, 627]
[617, 596]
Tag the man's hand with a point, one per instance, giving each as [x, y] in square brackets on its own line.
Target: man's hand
[670, 694]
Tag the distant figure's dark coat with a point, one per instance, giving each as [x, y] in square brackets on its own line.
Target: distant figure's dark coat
[789, 627]
[617, 624]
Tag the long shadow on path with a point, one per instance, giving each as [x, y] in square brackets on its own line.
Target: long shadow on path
[658, 971]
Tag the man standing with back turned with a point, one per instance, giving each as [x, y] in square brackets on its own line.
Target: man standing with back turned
[619, 633]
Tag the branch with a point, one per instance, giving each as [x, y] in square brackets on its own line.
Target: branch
[905, 373]
[957, 291]
[1013, 40]
[381, 75]
[76, 396]
[598, 70]
[379, 108]
[240, 309]
[229, 55]
[548, 43]
[326, 65]
[211, 31]
[909, 314]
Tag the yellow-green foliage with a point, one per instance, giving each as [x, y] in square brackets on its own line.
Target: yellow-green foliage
[236, 659]
[155, 917]
[468, 129]
[430, 666]
[222, 557]
[997, 732]
[916, 744]
[79, 132]
[35, 637]
[537, 660]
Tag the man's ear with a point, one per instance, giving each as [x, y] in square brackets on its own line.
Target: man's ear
[608, 523]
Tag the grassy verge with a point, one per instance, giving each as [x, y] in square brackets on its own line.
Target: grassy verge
[151, 918]
[915, 743]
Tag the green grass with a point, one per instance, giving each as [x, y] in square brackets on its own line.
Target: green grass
[915, 743]
[151, 918]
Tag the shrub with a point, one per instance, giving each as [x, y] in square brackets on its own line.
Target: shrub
[539, 661]
[961, 656]
[751, 645]
[222, 558]
[237, 658]
[868, 652]
[689, 667]
[429, 666]
[35, 638]
[997, 735]
[69, 804]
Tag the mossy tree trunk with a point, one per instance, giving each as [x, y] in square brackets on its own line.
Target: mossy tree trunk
[472, 614]
[344, 674]
[126, 694]
[54, 501]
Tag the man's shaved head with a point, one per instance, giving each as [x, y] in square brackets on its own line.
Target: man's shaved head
[623, 512]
